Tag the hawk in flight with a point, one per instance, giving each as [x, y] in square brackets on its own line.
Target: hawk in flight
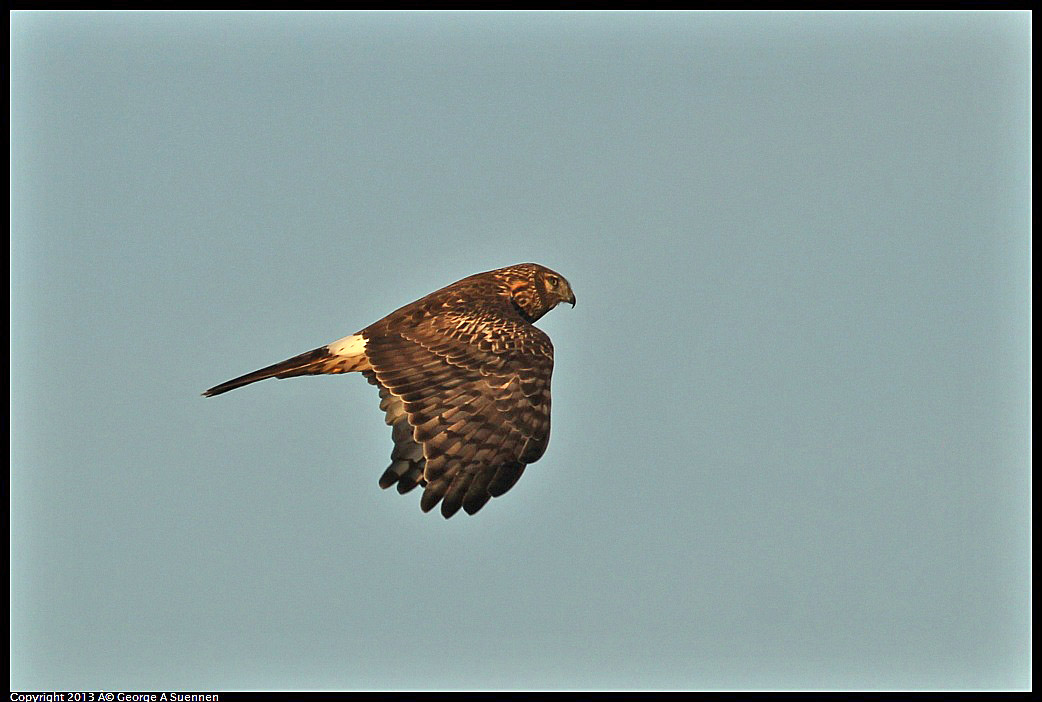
[464, 380]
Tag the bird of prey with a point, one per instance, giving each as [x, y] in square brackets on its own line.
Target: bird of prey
[464, 380]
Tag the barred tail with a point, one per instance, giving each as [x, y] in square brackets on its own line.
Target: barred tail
[345, 355]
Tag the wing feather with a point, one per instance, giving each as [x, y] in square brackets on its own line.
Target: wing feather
[475, 391]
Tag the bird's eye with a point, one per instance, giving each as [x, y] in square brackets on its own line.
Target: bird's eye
[552, 280]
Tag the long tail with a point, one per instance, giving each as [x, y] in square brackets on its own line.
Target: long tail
[343, 356]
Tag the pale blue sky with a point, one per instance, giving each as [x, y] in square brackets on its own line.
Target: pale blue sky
[791, 408]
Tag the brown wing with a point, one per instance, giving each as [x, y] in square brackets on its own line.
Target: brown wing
[407, 459]
[475, 391]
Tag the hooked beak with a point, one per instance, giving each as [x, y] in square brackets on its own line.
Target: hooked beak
[571, 299]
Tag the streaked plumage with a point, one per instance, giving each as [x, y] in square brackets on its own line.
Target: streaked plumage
[464, 382]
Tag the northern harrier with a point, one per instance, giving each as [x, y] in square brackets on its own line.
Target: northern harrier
[464, 380]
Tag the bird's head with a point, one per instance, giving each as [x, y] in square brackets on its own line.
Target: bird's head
[535, 290]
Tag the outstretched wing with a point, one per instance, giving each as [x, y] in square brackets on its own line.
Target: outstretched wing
[468, 398]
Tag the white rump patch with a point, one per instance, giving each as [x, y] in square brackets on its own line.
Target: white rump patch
[350, 346]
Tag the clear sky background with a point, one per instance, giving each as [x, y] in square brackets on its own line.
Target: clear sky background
[791, 439]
